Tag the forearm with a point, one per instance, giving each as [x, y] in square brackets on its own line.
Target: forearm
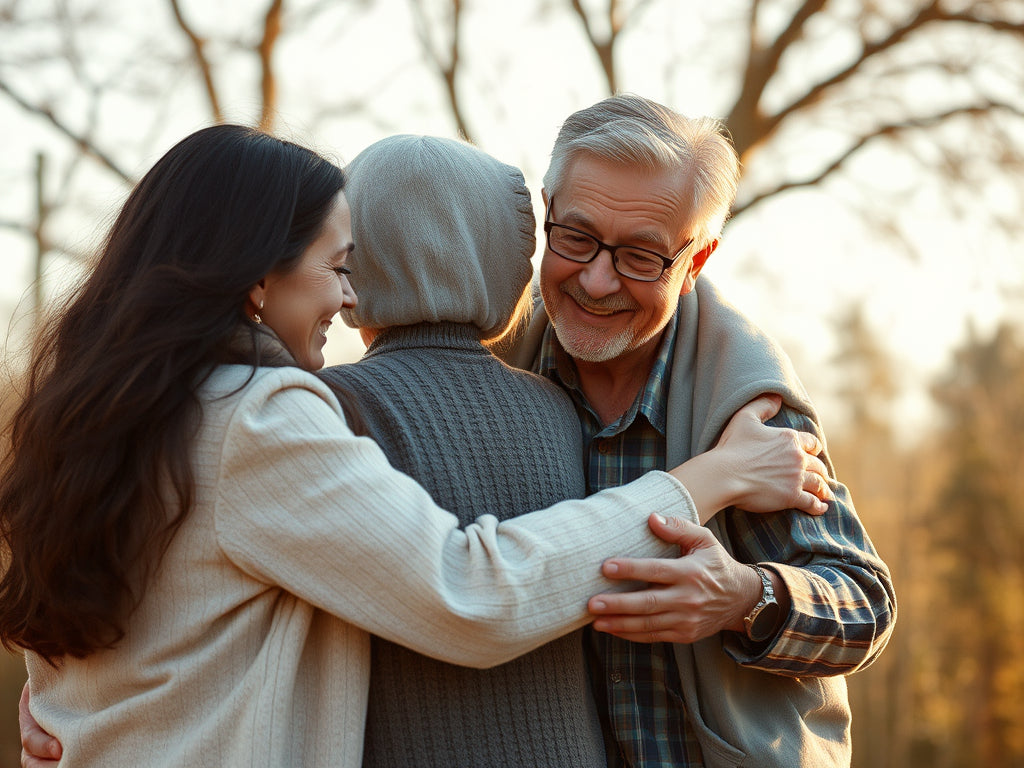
[826, 631]
[842, 602]
[367, 544]
[710, 487]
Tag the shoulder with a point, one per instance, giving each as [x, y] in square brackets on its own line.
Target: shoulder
[341, 375]
[233, 390]
[543, 386]
[523, 348]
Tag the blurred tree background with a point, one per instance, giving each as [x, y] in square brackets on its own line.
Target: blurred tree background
[883, 147]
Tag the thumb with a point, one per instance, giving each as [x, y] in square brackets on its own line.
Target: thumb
[36, 742]
[764, 407]
[674, 530]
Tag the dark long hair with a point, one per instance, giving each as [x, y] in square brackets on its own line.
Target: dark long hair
[98, 475]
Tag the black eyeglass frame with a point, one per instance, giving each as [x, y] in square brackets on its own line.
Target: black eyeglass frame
[666, 262]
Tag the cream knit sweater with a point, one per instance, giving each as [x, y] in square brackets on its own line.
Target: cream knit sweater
[251, 645]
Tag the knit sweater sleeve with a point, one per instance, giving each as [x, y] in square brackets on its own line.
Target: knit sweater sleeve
[304, 505]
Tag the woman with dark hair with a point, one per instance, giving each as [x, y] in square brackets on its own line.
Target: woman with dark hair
[196, 545]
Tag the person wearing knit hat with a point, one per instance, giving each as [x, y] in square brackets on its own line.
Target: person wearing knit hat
[443, 237]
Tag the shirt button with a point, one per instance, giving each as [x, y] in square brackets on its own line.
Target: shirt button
[604, 446]
[616, 677]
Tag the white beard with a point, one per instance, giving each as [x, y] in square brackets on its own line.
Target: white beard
[592, 346]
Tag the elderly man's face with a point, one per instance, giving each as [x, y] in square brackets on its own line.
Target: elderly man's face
[598, 314]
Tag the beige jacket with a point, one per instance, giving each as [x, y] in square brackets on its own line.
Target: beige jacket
[251, 645]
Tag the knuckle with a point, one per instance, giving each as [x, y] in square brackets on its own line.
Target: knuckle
[660, 570]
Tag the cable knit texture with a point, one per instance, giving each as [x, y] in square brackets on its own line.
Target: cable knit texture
[483, 439]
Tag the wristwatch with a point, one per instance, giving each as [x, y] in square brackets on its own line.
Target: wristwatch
[760, 622]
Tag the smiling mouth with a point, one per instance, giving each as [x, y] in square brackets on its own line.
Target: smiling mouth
[610, 305]
[598, 311]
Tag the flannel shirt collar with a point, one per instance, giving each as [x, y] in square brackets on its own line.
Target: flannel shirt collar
[556, 364]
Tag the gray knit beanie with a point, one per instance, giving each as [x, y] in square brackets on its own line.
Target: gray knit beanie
[443, 232]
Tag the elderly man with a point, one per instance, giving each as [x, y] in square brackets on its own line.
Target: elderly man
[735, 654]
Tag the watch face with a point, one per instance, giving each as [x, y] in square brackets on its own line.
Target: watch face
[762, 625]
[761, 622]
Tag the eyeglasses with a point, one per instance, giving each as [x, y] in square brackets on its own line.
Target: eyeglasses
[629, 261]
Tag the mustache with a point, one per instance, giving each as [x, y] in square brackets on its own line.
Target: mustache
[614, 303]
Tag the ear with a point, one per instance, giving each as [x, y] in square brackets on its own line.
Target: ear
[257, 296]
[696, 265]
[368, 334]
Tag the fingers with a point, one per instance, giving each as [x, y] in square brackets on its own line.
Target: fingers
[666, 627]
[664, 636]
[817, 466]
[38, 747]
[674, 530]
[764, 407]
[28, 761]
[810, 504]
[651, 570]
[810, 443]
[816, 486]
[815, 496]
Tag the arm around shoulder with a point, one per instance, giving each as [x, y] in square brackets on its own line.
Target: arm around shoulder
[304, 504]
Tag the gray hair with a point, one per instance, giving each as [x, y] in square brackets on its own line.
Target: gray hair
[632, 130]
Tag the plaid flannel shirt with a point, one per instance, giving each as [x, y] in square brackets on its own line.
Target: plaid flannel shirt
[843, 605]
[636, 684]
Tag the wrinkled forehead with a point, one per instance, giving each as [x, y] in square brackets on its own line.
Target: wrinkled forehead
[654, 204]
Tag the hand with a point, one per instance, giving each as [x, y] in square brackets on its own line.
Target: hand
[779, 467]
[689, 598]
[758, 468]
[38, 748]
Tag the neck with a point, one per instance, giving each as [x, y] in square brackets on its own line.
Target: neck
[611, 386]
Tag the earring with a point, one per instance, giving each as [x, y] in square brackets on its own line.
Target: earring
[256, 315]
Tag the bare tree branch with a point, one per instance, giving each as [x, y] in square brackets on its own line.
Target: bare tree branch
[83, 142]
[265, 49]
[746, 121]
[447, 67]
[617, 20]
[21, 228]
[199, 52]
[884, 131]
[450, 73]
[605, 49]
[927, 15]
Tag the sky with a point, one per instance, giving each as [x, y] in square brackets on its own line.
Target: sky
[792, 264]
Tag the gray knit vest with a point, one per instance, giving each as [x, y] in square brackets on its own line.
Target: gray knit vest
[482, 438]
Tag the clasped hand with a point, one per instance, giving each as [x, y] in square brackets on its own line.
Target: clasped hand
[687, 599]
[754, 467]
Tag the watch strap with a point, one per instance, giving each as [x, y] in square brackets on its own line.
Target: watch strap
[757, 630]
